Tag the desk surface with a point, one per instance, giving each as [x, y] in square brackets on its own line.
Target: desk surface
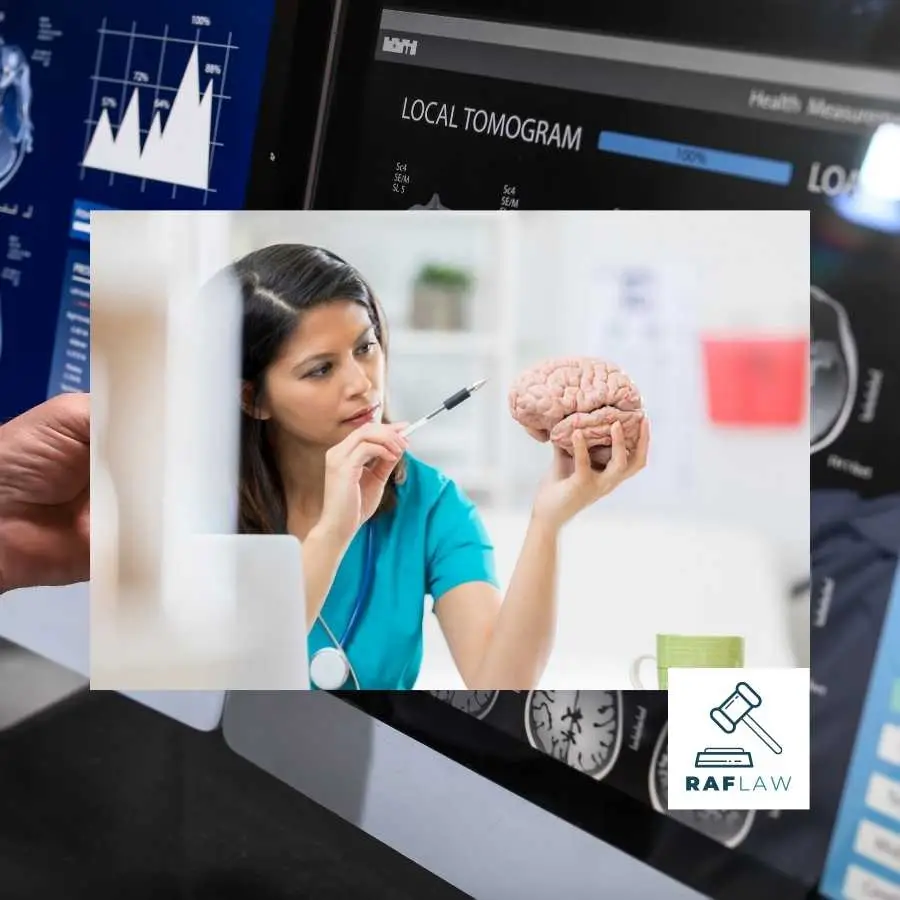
[102, 797]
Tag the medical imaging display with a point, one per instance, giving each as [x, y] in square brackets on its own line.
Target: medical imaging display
[556, 397]
[727, 826]
[619, 737]
[108, 105]
[475, 703]
[474, 112]
[112, 105]
[580, 728]
[15, 110]
[834, 370]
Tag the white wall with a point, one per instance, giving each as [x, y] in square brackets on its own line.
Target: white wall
[541, 280]
[738, 274]
[733, 274]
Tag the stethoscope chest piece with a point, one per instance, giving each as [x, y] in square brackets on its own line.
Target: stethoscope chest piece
[329, 669]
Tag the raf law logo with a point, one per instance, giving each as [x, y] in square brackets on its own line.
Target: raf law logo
[738, 739]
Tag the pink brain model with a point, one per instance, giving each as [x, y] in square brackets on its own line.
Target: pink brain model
[554, 398]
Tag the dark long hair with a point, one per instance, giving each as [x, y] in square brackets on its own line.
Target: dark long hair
[277, 285]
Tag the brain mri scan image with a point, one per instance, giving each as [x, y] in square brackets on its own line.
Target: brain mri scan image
[16, 128]
[475, 703]
[557, 397]
[727, 826]
[580, 728]
[833, 369]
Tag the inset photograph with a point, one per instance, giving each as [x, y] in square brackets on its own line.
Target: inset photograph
[541, 451]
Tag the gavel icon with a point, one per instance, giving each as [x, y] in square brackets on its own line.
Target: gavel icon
[736, 709]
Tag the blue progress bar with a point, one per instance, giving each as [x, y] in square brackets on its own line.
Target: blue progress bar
[755, 168]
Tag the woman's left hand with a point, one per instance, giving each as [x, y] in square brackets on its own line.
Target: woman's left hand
[572, 484]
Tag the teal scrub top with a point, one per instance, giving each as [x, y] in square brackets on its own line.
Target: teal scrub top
[432, 541]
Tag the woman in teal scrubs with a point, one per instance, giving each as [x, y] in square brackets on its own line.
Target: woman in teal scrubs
[320, 459]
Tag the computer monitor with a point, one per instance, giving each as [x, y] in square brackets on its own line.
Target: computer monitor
[702, 105]
[112, 105]
[474, 105]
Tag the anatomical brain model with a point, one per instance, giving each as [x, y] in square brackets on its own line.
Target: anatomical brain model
[557, 397]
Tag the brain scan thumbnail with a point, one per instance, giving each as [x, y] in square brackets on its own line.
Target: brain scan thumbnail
[727, 826]
[16, 127]
[833, 369]
[580, 728]
[475, 703]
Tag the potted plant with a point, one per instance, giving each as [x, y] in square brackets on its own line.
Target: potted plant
[440, 297]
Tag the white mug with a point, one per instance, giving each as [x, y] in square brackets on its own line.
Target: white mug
[635, 673]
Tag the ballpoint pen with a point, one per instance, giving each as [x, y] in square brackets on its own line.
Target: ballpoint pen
[449, 403]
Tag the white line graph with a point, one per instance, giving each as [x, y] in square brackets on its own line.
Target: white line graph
[179, 151]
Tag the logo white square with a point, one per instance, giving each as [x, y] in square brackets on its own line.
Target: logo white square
[738, 739]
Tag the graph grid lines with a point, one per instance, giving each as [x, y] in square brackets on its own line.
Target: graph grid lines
[215, 134]
[157, 86]
[94, 83]
[178, 151]
[127, 70]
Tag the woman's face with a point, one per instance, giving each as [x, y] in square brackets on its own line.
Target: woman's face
[329, 376]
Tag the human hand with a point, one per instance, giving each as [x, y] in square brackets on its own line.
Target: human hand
[356, 472]
[45, 494]
[573, 484]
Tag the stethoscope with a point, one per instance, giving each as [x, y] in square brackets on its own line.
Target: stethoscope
[330, 667]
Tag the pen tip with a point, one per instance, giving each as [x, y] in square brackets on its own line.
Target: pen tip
[477, 385]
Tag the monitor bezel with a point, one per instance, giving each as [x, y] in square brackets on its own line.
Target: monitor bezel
[746, 26]
[283, 141]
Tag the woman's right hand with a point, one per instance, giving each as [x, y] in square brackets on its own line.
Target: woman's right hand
[356, 473]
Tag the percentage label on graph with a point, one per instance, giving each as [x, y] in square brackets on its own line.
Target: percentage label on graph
[692, 156]
[201, 21]
[109, 102]
[141, 77]
[212, 69]
[160, 103]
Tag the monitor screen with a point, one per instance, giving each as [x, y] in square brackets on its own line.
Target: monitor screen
[110, 105]
[469, 113]
[763, 105]
[106, 104]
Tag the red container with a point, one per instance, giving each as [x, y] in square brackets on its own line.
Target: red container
[756, 382]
